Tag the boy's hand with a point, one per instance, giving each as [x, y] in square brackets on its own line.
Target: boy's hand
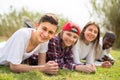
[106, 64]
[106, 58]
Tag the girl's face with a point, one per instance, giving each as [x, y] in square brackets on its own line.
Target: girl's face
[69, 38]
[90, 33]
[45, 31]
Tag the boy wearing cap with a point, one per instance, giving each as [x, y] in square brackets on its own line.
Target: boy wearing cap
[59, 47]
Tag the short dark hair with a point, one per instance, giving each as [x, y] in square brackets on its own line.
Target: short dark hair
[49, 17]
[110, 34]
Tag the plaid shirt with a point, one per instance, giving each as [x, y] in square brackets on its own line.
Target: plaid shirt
[64, 57]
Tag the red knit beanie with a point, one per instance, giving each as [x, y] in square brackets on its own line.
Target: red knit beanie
[69, 26]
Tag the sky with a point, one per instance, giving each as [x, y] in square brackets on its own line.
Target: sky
[74, 10]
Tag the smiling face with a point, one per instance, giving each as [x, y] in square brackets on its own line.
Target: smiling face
[108, 42]
[90, 33]
[45, 31]
[69, 38]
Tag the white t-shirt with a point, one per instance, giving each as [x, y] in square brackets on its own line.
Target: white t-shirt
[2, 44]
[82, 51]
[14, 51]
[101, 53]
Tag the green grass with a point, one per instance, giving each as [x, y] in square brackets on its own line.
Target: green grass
[112, 73]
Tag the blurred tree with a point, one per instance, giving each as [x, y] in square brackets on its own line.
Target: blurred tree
[108, 13]
[62, 21]
[10, 22]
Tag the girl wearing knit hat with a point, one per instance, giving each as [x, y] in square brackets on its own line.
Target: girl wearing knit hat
[85, 47]
[59, 47]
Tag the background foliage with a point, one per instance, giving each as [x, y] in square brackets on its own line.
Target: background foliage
[108, 14]
[12, 21]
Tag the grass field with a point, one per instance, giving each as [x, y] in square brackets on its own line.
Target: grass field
[112, 73]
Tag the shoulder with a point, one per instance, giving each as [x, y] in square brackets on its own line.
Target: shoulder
[77, 45]
[101, 39]
[101, 42]
[78, 42]
[23, 32]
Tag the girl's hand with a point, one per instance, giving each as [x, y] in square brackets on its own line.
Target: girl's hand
[88, 68]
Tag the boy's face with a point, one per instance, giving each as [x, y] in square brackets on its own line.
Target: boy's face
[108, 42]
[45, 31]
